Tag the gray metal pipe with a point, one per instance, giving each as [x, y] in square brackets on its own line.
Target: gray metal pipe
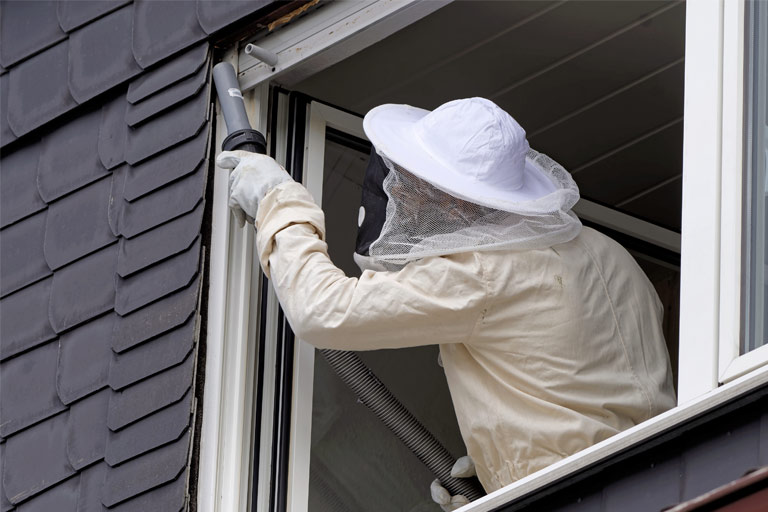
[230, 97]
[241, 135]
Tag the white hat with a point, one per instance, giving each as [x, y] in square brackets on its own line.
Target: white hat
[469, 148]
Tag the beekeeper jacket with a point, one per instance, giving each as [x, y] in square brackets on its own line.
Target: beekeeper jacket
[546, 352]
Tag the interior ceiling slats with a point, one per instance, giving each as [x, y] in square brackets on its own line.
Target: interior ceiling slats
[597, 85]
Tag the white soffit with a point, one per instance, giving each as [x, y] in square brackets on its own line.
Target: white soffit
[328, 35]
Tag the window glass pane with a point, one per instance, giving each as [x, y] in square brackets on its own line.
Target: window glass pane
[356, 463]
[756, 213]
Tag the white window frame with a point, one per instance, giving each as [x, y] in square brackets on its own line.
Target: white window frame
[712, 225]
[710, 249]
[225, 465]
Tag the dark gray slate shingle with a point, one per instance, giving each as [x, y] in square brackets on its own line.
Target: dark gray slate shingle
[163, 100]
[21, 254]
[78, 225]
[6, 135]
[69, 159]
[91, 484]
[150, 395]
[131, 478]
[84, 356]
[5, 505]
[163, 427]
[170, 497]
[182, 66]
[75, 13]
[169, 202]
[61, 498]
[18, 195]
[36, 459]
[157, 281]
[153, 357]
[163, 28]
[87, 430]
[100, 55]
[166, 167]
[23, 326]
[28, 389]
[113, 132]
[156, 318]
[38, 89]
[162, 242]
[84, 289]
[177, 125]
[26, 28]
[217, 15]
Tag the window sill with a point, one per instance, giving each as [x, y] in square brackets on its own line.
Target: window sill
[621, 443]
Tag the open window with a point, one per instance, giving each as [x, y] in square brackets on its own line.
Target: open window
[599, 86]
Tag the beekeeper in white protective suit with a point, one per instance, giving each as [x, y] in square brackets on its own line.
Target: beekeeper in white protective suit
[549, 333]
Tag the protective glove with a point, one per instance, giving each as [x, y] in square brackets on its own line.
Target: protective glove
[463, 468]
[253, 177]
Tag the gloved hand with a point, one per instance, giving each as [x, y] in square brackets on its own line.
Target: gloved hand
[463, 468]
[253, 177]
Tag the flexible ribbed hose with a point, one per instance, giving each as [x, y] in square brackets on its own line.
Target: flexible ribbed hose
[375, 395]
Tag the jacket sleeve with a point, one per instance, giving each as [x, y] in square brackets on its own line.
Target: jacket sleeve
[432, 301]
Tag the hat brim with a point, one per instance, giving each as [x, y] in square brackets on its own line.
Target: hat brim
[391, 129]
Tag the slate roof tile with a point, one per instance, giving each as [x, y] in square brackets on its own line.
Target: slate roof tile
[177, 125]
[178, 198]
[155, 430]
[26, 28]
[153, 357]
[28, 391]
[168, 166]
[173, 95]
[168, 498]
[182, 66]
[156, 318]
[91, 483]
[113, 132]
[163, 28]
[162, 242]
[84, 356]
[21, 254]
[75, 13]
[6, 135]
[87, 430]
[100, 55]
[5, 505]
[69, 157]
[83, 289]
[116, 208]
[149, 395]
[146, 472]
[216, 15]
[78, 224]
[158, 281]
[38, 100]
[62, 498]
[37, 457]
[18, 195]
[23, 325]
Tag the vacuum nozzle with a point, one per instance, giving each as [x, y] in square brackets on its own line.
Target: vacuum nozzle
[240, 134]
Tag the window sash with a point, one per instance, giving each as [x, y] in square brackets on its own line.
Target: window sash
[732, 360]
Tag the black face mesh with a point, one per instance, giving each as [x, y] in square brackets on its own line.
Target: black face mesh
[373, 202]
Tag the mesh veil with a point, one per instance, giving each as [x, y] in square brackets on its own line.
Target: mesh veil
[422, 220]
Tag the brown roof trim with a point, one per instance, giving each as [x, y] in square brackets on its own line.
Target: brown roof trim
[747, 494]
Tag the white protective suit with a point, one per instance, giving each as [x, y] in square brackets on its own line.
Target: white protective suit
[546, 352]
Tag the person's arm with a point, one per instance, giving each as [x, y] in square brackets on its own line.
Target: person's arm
[432, 301]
